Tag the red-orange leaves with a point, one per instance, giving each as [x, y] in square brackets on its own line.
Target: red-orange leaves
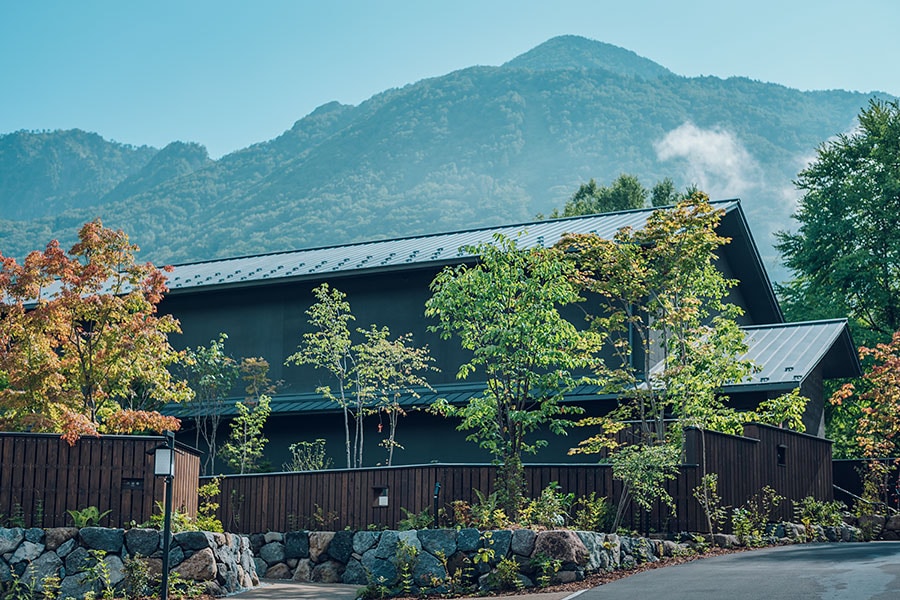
[80, 339]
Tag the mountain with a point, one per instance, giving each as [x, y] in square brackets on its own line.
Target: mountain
[575, 52]
[476, 147]
[44, 173]
[173, 161]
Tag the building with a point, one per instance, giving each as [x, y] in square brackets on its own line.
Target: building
[260, 302]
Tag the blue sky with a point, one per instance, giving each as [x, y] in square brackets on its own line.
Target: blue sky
[228, 74]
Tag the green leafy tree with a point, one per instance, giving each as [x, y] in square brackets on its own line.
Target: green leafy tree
[845, 256]
[371, 376]
[644, 471]
[673, 339]
[328, 347]
[388, 370]
[212, 374]
[505, 311]
[625, 193]
[664, 193]
[672, 343]
[243, 451]
[244, 448]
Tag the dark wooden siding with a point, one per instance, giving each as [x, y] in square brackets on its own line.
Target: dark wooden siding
[41, 477]
[348, 498]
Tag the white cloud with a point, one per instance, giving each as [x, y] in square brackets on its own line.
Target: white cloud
[716, 160]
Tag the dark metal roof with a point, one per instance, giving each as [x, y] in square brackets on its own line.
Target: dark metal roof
[313, 402]
[440, 249]
[787, 354]
[437, 249]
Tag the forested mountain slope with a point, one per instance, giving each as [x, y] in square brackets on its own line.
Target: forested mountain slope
[479, 146]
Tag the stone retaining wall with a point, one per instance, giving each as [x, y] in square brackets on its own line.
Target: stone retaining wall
[363, 557]
[223, 561]
[878, 527]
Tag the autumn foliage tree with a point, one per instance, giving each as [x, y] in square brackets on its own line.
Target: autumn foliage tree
[877, 403]
[81, 342]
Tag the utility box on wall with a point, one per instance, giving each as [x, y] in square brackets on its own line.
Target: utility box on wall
[381, 497]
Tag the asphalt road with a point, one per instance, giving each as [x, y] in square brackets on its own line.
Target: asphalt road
[801, 572]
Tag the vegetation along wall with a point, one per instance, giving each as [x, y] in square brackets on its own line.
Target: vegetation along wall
[795, 465]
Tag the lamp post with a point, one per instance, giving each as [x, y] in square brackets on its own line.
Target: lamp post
[164, 466]
[437, 491]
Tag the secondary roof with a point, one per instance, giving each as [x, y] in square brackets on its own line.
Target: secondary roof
[787, 354]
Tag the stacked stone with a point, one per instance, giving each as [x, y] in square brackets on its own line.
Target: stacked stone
[877, 527]
[364, 557]
[222, 561]
[891, 530]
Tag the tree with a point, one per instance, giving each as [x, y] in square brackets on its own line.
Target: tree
[625, 193]
[845, 256]
[387, 370]
[877, 397]
[244, 447]
[327, 347]
[672, 342]
[371, 376]
[211, 374]
[81, 341]
[661, 301]
[243, 451]
[665, 194]
[505, 311]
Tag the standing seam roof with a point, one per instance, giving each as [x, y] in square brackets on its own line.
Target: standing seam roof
[786, 352]
[428, 249]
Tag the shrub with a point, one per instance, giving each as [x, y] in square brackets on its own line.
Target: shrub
[206, 511]
[308, 456]
[506, 575]
[87, 517]
[420, 520]
[487, 514]
[550, 509]
[749, 521]
[809, 512]
[592, 513]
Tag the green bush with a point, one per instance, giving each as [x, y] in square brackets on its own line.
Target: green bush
[411, 520]
[592, 513]
[550, 509]
[87, 517]
[809, 512]
[505, 576]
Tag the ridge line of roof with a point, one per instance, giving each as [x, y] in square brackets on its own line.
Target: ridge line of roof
[735, 201]
[795, 323]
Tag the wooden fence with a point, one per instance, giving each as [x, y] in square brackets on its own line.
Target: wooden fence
[41, 477]
[796, 465]
[848, 480]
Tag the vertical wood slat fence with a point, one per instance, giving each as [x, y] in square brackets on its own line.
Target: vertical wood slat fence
[41, 477]
[796, 465]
